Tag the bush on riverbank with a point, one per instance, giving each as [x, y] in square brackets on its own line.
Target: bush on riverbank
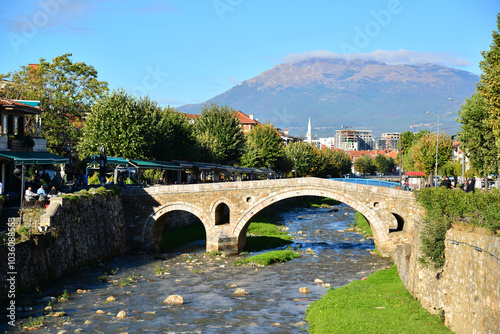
[445, 207]
[379, 304]
[271, 257]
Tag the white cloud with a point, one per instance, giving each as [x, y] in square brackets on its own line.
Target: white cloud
[388, 57]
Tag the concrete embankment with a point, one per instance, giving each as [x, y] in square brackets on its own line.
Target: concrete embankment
[466, 289]
[81, 231]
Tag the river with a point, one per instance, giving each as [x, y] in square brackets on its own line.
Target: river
[207, 283]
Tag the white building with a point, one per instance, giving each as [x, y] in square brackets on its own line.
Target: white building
[354, 140]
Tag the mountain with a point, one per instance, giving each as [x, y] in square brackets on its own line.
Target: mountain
[359, 93]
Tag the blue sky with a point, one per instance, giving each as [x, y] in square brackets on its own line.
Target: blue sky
[181, 52]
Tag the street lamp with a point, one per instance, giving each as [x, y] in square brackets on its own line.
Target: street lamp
[437, 143]
[463, 151]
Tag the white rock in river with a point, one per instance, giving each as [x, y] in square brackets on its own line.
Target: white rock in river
[174, 300]
[240, 292]
[317, 280]
[304, 289]
[121, 314]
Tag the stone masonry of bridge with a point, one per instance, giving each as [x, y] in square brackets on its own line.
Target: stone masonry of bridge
[226, 209]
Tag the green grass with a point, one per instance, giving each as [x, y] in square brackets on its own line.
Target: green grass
[363, 224]
[175, 238]
[271, 257]
[265, 232]
[318, 202]
[379, 304]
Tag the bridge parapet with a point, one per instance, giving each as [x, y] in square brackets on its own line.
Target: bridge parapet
[226, 209]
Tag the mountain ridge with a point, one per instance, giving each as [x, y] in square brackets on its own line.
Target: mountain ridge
[361, 93]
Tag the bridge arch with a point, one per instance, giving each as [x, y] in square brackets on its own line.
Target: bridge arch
[378, 227]
[152, 226]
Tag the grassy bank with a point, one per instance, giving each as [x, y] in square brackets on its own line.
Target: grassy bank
[174, 238]
[266, 232]
[271, 257]
[379, 304]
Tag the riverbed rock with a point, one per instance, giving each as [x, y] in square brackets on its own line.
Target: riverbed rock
[79, 330]
[100, 312]
[318, 231]
[299, 324]
[318, 281]
[121, 315]
[240, 292]
[88, 322]
[304, 289]
[346, 213]
[62, 332]
[110, 299]
[333, 210]
[174, 300]
[59, 314]
[325, 285]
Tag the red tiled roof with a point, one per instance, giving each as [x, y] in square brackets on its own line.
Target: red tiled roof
[192, 116]
[244, 118]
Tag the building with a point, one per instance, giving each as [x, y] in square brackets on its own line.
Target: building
[327, 142]
[354, 140]
[389, 141]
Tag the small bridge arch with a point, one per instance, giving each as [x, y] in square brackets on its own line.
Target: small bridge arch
[153, 228]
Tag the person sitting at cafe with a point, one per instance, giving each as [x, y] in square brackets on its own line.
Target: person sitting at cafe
[41, 191]
[53, 191]
[29, 192]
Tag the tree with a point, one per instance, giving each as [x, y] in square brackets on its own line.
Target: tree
[336, 163]
[66, 92]
[383, 164]
[476, 135]
[263, 148]
[135, 128]
[219, 135]
[364, 164]
[489, 85]
[301, 157]
[424, 152]
[408, 140]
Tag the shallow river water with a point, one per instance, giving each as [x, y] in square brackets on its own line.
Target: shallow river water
[207, 283]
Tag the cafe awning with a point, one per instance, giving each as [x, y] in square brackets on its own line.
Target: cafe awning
[33, 158]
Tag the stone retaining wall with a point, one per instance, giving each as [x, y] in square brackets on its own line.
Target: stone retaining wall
[78, 233]
[467, 288]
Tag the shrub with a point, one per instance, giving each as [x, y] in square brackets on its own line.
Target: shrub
[445, 207]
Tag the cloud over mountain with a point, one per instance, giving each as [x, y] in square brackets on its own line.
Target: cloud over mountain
[398, 57]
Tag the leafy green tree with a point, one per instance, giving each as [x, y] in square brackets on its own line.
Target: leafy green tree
[219, 135]
[131, 127]
[476, 135]
[383, 164]
[263, 148]
[335, 163]
[424, 152]
[301, 157]
[66, 91]
[364, 164]
[408, 140]
[489, 85]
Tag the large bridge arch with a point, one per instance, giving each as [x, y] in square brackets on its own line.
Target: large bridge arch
[151, 227]
[378, 227]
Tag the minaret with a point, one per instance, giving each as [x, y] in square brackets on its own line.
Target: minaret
[309, 132]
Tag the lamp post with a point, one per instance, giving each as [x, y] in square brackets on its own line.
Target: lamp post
[463, 152]
[437, 144]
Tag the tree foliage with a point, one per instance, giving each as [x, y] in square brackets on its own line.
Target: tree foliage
[476, 135]
[219, 135]
[383, 164]
[489, 85]
[424, 152]
[301, 157]
[264, 147]
[336, 163]
[66, 92]
[364, 164]
[135, 128]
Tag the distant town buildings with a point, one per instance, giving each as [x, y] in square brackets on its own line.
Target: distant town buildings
[354, 140]
[389, 141]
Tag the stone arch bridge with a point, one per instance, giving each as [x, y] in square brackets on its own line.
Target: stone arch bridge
[226, 209]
